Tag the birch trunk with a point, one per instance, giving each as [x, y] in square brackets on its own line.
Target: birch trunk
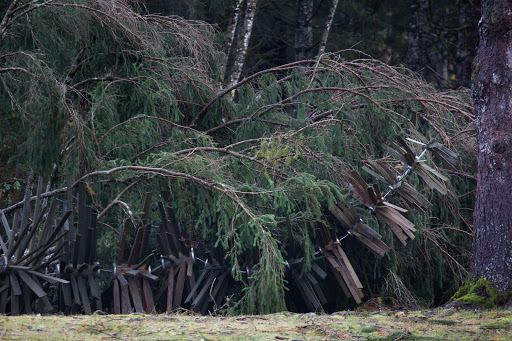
[230, 38]
[328, 23]
[243, 46]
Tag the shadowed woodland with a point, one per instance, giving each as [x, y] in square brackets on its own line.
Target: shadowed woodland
[234, 156]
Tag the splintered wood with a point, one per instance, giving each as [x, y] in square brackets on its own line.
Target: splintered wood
[50, 245]
[79, 265]
[27, 255]
[362, 232]
[177, 257]
[308, 285]
[339, 263]
[132, 276]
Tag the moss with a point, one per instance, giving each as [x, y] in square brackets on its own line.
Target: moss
[480, 292]
[403, 335]
[476, 71]
[368, 330]
[496, 325]
[445, 322]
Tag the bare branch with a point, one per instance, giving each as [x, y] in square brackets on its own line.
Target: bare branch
[116, 200]
[19, 69]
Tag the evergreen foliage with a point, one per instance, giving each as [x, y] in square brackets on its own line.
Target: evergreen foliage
[120, 99]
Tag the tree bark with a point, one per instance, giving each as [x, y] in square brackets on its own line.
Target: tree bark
[243, 46]
[418, 31]
[492, 240]
[230, 37]
[328, 23]
[467, 39]
[304, 30]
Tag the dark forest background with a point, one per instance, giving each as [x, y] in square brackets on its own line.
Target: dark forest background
[445, 33]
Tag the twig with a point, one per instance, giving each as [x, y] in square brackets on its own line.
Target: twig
[116, 200]
[464, 175]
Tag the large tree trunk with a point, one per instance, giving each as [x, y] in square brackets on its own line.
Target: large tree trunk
[492, 242]
[467, 38]
[304, 30]
[418, 30]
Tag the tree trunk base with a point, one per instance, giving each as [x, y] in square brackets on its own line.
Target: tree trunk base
[480, 293]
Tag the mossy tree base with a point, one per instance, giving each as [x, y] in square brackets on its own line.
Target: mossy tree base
[481, 293]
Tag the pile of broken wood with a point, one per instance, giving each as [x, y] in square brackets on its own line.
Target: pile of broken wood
[49, 259]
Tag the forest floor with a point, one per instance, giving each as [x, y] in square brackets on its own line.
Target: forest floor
[436, 324]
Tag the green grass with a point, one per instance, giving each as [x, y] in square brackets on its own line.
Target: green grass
[380, 325]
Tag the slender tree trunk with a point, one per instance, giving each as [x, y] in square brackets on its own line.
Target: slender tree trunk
[418, 31]
[304, 30]
[192, 9]
[328, 23]
[230, 38]
[467, 39]
[243, 46]
[492, 240]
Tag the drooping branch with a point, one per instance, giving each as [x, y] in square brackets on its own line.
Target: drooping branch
[7, 18]
[19, 69]
[355, 91]
[145, 170]
[244, 81]
[145, 117]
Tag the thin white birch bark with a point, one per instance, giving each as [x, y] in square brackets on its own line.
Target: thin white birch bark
[230, 38]
[243, 46]
[328, 23]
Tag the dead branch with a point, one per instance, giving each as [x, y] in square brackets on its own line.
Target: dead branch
[7, 18]
[116, 200]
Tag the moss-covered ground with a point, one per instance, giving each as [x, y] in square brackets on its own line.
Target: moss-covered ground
[437, 324]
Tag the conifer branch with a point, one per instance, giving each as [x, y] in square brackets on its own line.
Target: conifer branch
[355, 91]
[148, 117]
[244, 81]
[7, 19]
[19, 69]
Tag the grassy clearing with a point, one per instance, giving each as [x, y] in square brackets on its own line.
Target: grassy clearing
[438, 324]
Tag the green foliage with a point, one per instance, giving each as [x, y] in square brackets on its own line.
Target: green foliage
[254, 176]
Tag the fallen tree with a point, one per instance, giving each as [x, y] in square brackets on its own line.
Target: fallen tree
[128, 105]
